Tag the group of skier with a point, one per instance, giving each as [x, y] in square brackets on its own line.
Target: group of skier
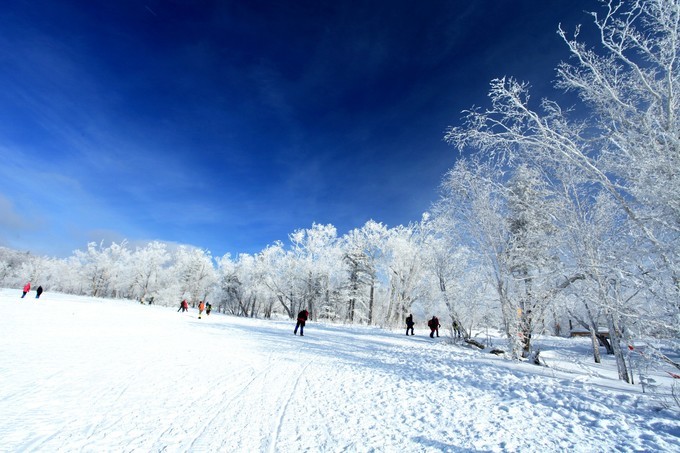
[202, 307]
[207, 308]
[433, 324]
[27, 288]
[302, 317]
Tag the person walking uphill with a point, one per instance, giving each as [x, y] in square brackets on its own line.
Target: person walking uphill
[409, 324]
[27, 288]
[201, 307]
[434, 326]
[38, 292]
[183, 306]
[302, 318]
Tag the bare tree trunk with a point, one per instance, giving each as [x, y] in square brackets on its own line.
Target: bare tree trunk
[370, 303]
[285, 307]
[615, 338]
[596, 345]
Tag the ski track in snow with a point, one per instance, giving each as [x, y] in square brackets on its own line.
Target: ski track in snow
[84, 374]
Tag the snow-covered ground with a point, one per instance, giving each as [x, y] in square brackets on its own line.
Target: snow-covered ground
[85, 374]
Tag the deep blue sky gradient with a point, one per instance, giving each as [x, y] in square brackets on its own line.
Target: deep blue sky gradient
[229, 124]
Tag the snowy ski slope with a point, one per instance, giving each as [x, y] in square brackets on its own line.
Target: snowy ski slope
[86, 374]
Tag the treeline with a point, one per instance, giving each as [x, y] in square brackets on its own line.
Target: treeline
[372, 275]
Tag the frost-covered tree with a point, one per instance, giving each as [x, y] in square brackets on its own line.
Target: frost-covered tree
[229, 287]
[507, 219]
[195, 274]
[363, 250]
[256, 299]
[404, 272]
[102, 268]
[148, 266]
[531, 253]
[317, 254]
[10, 266]
[456, 280]
[623, 138]
[240, 288]
[473, 194]
[631, 85]
[279, 271]
[51, 273]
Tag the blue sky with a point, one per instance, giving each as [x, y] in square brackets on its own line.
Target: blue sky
[229, 124]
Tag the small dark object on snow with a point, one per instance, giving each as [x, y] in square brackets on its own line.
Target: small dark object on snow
[474, 343]
[497, 351]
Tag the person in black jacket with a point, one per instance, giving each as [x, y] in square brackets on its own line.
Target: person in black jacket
[38, 292]
[302, 317]
[409, 324]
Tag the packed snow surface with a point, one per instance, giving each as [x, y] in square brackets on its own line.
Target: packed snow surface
[86, 374]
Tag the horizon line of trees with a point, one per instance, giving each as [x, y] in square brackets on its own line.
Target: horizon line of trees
[555, 215]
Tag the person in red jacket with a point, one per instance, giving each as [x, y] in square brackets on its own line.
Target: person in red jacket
[302, 317]
[434, 326]
[27, 288]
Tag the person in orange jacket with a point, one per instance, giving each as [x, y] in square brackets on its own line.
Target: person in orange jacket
[27, 288]
[201, 307]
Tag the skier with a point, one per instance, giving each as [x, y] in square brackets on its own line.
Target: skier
[27, 288]
[183, 306]
[201, 307]
[38, 292]
[302, 317]
[409, 324]
[208, 309]
[434, 326]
